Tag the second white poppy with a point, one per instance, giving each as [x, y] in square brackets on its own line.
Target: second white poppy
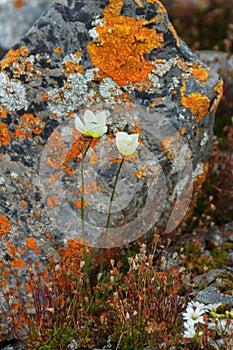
[126, 144]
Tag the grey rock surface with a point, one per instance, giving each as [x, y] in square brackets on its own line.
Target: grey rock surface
[211, 295]
[16, 18]
[84, 54]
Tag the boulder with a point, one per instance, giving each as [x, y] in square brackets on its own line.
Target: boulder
[124, 59]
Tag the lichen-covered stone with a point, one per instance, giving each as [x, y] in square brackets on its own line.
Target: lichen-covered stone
[126, 56]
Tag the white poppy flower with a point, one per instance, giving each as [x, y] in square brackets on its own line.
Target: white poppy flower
[126, 144]
[94, 124]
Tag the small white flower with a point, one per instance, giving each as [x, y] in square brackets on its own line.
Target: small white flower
[94, 123]
[189, 330]
[126, 144]
[194, 312]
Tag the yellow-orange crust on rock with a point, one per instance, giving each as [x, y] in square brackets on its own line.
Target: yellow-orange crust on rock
[197, 103]
[121, 46]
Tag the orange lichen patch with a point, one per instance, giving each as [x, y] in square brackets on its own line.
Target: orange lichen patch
[17, 262]
[13, 56]
[5, 135]
[93, 158]
[199, 104]
[58, 50]
[31, 243]
[121, 46]
[219, 90]
[18, 3]
[72, 67]
[153, 104]
[52, 201]
[139, 173]
[78, 204]
[169, 145]
[200, 73]
[5, 273]
[24, 203]
[54, 178]
[79, 145]
[94, 186]
[87, 190]
[114, 8]
[46, 97]
[174, 33]
[4, 226]
[3, 112]
[181, 131]
[161, 6]
[57, 151]
[29, 124]
[11, 248]
[139, 3]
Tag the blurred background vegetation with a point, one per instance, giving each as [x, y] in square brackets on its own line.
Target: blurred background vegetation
[208, 25]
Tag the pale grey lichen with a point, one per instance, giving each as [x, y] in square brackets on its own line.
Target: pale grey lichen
[109, 88]
[199, 170]
[12, 93]
[93, 34]
[75, 93]
[71, 58]
[204, 139]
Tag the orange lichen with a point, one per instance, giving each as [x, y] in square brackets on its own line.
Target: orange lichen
[200, 73]
[139, 173]
[139, 3]
[78, 204]
[94, 186]
[3, 112]
[31, 243]
[79, 145]
[5, 135]
[198, 104]
[18, 3]
[23, 202]
[58, 50]
[4, 225]
[13, 56]
[161, 6]
[57, 153]
[219, 90]
[11, 248]
[52, 201]
[169, 145]
[121, 46]
[72, 67]
[17, 262]
[93, 158]
[29, 124]
[174, 33]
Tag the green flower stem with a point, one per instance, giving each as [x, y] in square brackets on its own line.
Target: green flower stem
[82, 209]
[113, 193]
[109, 211]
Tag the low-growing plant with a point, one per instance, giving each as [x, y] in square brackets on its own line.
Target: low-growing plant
[135, 309]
